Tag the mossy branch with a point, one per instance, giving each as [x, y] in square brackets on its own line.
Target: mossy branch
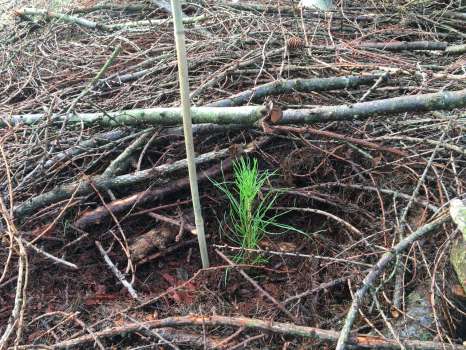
[249, 115]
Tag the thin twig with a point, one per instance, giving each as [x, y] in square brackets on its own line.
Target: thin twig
[257, 286]
[117, 272]
[378, 269]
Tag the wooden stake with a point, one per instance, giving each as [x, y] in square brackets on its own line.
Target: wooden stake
[187, 127]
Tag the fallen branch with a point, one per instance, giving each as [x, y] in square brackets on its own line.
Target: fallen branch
[50, 256]
[404, 45]
[108, 139]
[445, 100]
[323, 286]
[395, 46]
[246, 115]
[249, 115]
[445, 145]
[15, 321]
[390, 192]
[151, 5]
[185, 224]
[362, 341]
[99, 214]
[87, 145]
[284, 86]
[152, 22]
[186, 338]
[328, 215]
[85, 186]
[121, 163]
[333, 135]
[99, 140]
[111, 7]
[30, 11]
[257, 286]
[368, 282]
[86, 23]
[117, 272]
[456, 49]
[292, 255]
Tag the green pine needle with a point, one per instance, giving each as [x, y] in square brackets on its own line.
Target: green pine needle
[249, 205]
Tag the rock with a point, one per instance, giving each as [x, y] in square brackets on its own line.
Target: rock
[323, 5]
[458, 250]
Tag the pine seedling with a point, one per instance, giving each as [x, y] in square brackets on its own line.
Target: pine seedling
[249, 205]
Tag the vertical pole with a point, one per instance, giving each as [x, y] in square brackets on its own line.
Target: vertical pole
[187, 127]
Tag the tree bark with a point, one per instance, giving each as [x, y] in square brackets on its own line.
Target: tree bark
[280, 87]
[121, 182]
[361, 341]
[445, 100]
[246, 115]
[249, 115]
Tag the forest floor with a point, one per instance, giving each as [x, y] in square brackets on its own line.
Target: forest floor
[360, 196]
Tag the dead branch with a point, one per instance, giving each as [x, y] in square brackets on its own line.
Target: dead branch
[445, 100]
[117, 272]
[178, 336]
[445, 145]
[257, 286]
[405, 45]
[97, 215]
[362, 341]
[420, 201]
[245, 115]
[50, 256]
[397, 46]
[333, 135]
[60, 16]
[121, 163]
[102, 182]
[292, 255]
[280, 87]
[80, 21]
[375, 272]
[249, 115]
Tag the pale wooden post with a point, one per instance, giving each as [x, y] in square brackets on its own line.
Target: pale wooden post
[187, 127]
